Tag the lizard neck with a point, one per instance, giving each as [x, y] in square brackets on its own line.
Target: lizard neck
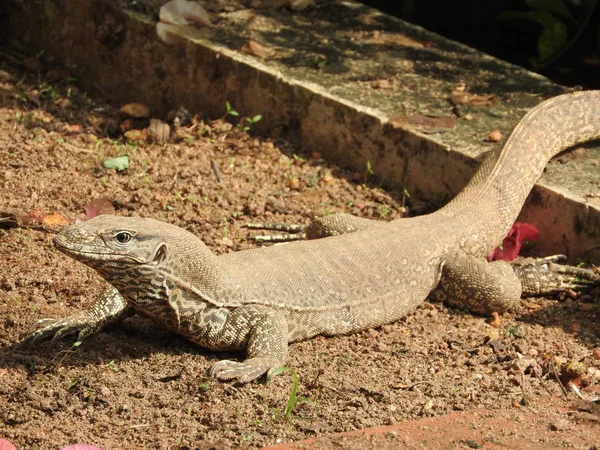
[490, 203]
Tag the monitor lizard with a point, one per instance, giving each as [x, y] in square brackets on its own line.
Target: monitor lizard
[259, 300]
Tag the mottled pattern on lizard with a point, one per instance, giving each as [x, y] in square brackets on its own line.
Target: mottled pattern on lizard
[259, 300]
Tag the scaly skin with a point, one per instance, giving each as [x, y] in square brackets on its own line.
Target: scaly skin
[259, 300]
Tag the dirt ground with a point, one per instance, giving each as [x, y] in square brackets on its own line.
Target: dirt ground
[138, 386]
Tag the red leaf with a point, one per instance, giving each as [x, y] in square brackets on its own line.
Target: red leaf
[511, 245]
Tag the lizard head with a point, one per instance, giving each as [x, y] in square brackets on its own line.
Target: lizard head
[122, 249]
[129, 240]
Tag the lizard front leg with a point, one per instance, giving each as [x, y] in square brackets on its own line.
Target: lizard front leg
[542, 276]
[263, 331]
[110, 308]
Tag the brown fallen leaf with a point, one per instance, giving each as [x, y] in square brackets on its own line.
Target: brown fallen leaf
[136, 110]
[255, 49]
[97, 207]
[423, 123]
[380, 84]
[136, 135]
[461, 97]
[74, 128]
[55, 220]
[395, 39]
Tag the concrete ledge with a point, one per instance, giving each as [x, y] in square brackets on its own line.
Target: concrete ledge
[321, 88]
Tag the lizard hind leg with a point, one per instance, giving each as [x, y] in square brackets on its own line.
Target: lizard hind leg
[477, 285]
[543, 276]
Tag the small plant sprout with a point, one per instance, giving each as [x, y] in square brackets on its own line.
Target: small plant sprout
[293, 399]
[298, 160]
[229, 111]
[384, 211]
[514, 331]
[64, 354]
[405, 195]
[368, 172]
[248, 122]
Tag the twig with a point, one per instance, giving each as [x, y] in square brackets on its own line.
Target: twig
[216, 170]
[562, 388]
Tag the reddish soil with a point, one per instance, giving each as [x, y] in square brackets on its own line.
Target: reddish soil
[138, 386]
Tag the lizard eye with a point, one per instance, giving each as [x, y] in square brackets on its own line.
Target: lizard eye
[124, 237]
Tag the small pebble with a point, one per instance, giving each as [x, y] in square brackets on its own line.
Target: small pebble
[495, 136]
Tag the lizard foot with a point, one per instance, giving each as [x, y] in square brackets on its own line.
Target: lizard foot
[543, 276]
[245, 371]
[59, 328]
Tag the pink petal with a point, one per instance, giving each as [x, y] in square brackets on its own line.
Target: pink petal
[97, 207]
[512, 243]
[80, 447]
[526, 231]
[6, 445]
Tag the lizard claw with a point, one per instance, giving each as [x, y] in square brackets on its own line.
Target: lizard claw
[59, 328]
[244, 372]
[543, 276]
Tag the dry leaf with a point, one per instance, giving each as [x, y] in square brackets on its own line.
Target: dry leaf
[136, 135]
[55, 220]
[423, 123]
[398, 39]
[97, 207]
[460, 97]
[380, 84]
[255, 49]
[137, 110]
[73, 128]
